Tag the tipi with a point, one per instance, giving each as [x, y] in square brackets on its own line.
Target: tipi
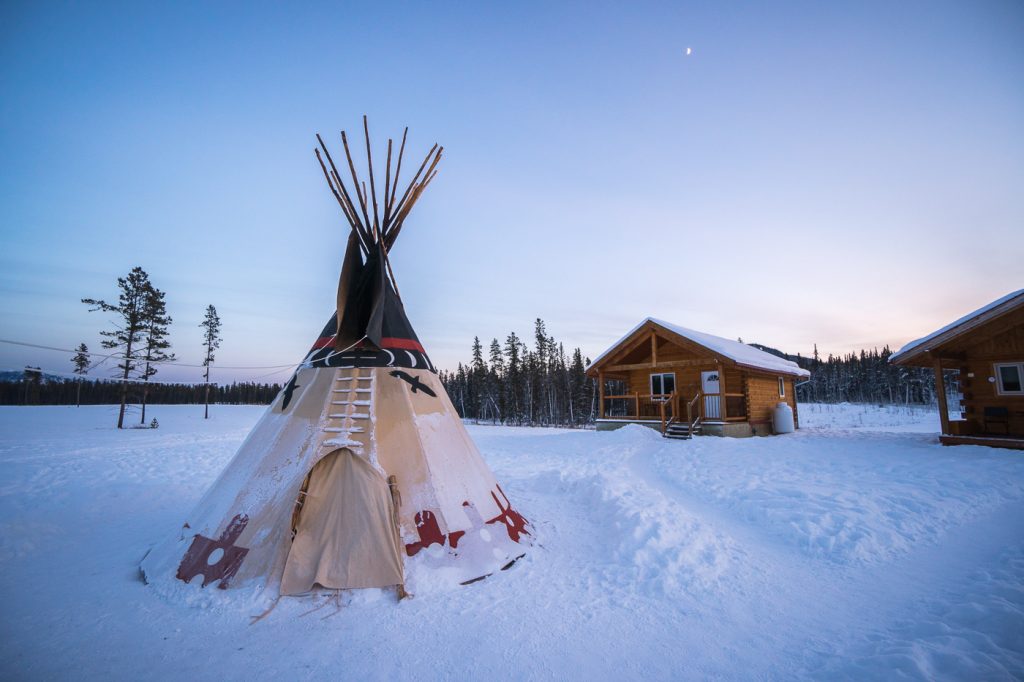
[361, 461]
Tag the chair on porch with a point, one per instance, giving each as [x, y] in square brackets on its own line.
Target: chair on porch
[996, 416]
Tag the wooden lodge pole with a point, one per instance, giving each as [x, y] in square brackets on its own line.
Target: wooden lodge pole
[600, 392]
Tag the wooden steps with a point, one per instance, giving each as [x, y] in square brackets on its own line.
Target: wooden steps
[681, 431]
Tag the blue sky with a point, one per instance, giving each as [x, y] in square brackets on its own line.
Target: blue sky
[842, 174]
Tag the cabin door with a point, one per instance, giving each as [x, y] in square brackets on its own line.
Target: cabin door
[709, 383]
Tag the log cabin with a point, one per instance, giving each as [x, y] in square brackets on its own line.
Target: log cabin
[986, 351]
[684, 382]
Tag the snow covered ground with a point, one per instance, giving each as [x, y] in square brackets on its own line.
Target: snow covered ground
[857, 548]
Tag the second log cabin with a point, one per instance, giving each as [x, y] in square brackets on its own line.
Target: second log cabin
[985, 351]
[662, 375]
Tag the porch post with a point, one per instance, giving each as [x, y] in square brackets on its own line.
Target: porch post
[940, 389]
[721, 392]
[600, 388]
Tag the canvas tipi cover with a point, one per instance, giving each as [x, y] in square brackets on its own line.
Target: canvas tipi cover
[361, 461]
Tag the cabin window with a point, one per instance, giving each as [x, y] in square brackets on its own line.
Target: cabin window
[1010, 378]
[663, 384]
[782, 387]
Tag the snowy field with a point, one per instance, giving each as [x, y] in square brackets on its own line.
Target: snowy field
[857, 548]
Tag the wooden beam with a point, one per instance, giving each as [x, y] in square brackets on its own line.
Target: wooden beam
[949, 355]
[661, 365]
[600, 385]
[940, 389]
[627, 348]
[654, 350]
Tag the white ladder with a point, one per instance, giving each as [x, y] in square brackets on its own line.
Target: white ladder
[348, 414]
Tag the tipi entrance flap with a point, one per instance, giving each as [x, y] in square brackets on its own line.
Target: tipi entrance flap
[345, 535]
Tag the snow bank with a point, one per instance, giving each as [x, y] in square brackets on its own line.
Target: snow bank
[857, 548]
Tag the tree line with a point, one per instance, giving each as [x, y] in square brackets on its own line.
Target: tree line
[864, 377]
[516, 384]
[546, 386]
[36, 389]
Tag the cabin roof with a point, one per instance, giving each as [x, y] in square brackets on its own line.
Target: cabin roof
[965, 324]
[738, 352]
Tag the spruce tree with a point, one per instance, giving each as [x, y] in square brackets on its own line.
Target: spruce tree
[211, 342]
[513, 373]
[154, 339]
[577, 389]
[81, 363]
[480, 389]
[126, 337]
[495, 377]
[33, 378]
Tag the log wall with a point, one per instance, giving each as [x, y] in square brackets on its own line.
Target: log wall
[763, 395]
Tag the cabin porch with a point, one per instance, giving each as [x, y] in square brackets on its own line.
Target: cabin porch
[989, 414]
[723, 414]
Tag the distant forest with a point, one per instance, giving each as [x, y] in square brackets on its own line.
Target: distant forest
[542, 384]
[515, 384]
[546, 385]
[36, 389]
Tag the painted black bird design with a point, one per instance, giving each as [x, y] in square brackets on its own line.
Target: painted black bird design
[288, 390]
[415, 382]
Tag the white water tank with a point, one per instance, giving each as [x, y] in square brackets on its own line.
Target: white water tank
[782, 418]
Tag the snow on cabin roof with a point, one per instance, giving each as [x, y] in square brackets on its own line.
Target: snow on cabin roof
[952, 330]
[738, 352]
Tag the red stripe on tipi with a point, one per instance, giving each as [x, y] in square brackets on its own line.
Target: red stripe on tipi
[323, 342]
[404, 344]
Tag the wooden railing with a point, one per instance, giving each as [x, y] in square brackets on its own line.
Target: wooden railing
[635, 405]
[667, 408]
[693, 412]
[669, 411]
[734, 408]
[673, 413]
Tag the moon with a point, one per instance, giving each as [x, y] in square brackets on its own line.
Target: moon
[689, 51]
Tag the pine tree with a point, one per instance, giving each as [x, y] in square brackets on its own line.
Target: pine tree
[513, 381]
[33, 378]
[539, 410]
[154, 341]
[211, 341]
[495, 377]
[126, 337]
[577, 389]
[476, 377]
[81, 363]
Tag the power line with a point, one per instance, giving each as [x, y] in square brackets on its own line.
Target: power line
[111, 380]
[152, 362]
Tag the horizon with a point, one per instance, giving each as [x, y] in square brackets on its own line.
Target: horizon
[797, 175]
